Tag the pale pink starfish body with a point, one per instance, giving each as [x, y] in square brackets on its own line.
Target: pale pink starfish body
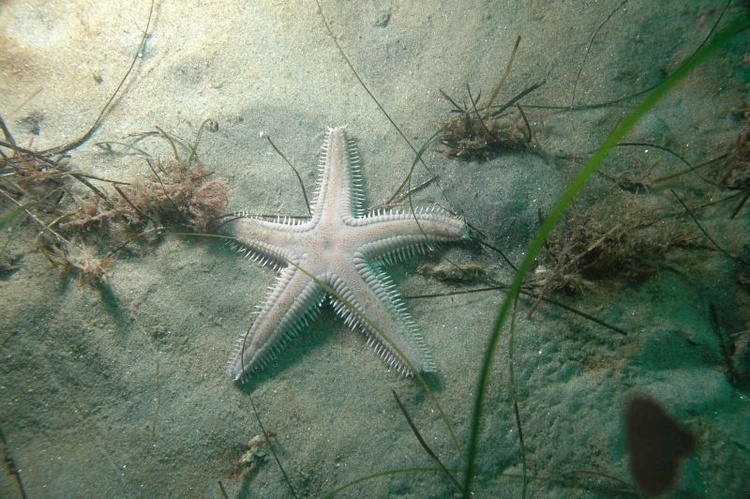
[342, 247]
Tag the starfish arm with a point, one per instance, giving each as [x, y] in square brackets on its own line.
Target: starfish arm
[293, 303]
[339, 190]
[267, 242]
[368, 302]
[408, 234]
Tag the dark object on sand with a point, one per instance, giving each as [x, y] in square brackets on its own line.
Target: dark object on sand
[656, 444]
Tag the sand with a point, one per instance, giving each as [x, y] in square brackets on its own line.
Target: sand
[121, 390]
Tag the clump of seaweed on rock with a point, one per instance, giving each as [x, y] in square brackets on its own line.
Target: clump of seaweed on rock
[175, 195]
[736, 172]
[482, 131]
[86, 220]
[606, 244]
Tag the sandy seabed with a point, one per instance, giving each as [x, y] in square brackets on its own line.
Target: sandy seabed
[122, 391]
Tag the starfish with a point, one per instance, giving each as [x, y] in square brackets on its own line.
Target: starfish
[338, 254]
